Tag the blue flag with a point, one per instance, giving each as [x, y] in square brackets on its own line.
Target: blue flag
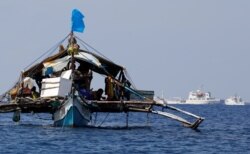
[77, 21]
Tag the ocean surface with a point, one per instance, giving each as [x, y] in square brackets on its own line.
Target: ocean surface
[226, 129]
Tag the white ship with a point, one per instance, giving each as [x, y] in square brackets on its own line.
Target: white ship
[200, 97]
[234, 100]
[175, 100]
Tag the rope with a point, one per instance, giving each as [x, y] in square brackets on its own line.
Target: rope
[130, 79]
[95, 118]
[50, 51]
[39, 117]
[148, 120]
[3, 96]
[128, 88]
[84, 43]
[127, 74]
[103, 120]
[94, 49]
[86, 48]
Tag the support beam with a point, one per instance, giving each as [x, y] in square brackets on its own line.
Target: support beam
[127, 119]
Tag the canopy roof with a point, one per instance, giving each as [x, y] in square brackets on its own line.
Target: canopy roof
[93, 61]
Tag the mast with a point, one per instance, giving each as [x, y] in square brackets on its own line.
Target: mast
[72, 49]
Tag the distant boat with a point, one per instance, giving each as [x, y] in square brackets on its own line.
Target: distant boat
[234, 100]
[175, 100]
[201, 97]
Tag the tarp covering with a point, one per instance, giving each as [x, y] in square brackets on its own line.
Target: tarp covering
[60, 60]
[61, 63]
[29, 83]
[37, 68]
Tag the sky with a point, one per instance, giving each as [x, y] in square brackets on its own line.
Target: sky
[171, 47]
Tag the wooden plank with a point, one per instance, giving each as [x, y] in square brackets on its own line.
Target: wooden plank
[44, 105]
[124, 102]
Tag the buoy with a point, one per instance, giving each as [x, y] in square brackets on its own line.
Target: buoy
[16, 116]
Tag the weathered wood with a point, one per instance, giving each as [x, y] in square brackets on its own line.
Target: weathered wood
[125, 102]
[27, 105]
[44, 105]
[119, 106]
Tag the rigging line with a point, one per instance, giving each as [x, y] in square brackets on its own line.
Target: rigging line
[57, 45]
[49, 53]
[14, 85]
[84, 46]
[136, 93]
[94, 49]
[130, 89]
[95, 64]
[39, 117]
[95, 118]
[89, 60]
[130, 79]
[126, 87]
[52, 48]
[102, 56]
[81, 41]
[104, 120]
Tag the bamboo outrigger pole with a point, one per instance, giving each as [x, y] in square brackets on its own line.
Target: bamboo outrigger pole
[186, 123]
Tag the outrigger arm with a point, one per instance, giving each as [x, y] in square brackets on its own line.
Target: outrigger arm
[186, 123]
[180, 119]
[164, 104]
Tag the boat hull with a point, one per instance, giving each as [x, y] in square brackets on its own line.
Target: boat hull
[234, 103]
[175, 101]
[72, 114]
[200, 97]
[234, 100]
[198, 102]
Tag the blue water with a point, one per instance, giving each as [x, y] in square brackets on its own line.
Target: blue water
[226, 129]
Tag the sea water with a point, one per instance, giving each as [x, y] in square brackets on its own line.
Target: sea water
[226, 129]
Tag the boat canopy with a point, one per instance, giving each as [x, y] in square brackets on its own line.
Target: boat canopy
[62, 59]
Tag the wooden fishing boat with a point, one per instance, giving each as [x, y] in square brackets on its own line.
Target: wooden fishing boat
[62, 84]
